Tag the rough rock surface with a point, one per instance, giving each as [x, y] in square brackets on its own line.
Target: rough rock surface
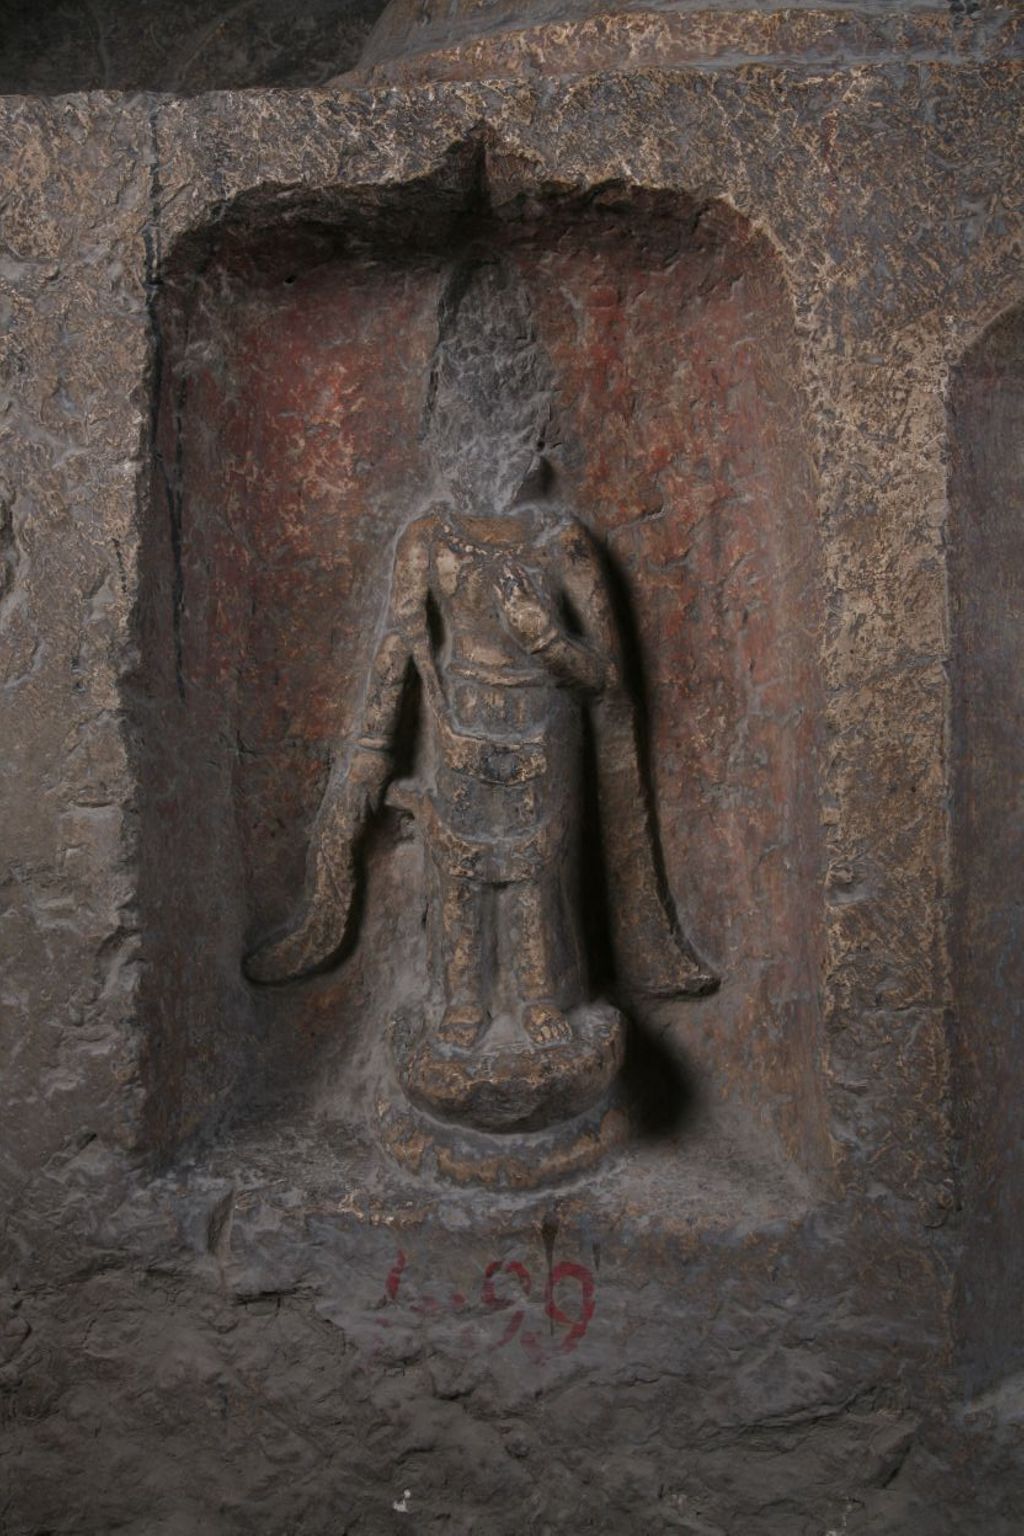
[185, 46]
[464, 40]
[223, 1310]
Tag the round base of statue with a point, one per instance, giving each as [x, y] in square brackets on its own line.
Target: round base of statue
[509, 1112]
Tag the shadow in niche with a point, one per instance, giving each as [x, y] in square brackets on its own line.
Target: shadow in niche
[661, 1093]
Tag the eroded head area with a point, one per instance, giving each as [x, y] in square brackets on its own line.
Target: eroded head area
[489, 396]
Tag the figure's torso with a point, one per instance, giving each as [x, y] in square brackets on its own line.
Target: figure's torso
[505, 733]
[491, 682]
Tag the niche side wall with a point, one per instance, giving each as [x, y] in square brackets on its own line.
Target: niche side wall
[291, 399]
[987, 938]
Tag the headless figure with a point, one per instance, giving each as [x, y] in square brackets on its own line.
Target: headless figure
[507, 622]
[498, 601]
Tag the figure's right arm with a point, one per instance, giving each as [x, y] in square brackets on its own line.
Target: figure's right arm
[355, 787]
[590, 658]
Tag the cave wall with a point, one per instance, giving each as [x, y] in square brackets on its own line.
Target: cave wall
[722, 1332]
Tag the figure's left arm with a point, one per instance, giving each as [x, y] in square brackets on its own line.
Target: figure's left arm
[586, 586]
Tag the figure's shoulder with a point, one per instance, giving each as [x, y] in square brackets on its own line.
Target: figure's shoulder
[417, 535]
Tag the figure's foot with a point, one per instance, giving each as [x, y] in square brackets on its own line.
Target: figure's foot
[460, 1027]
[546, 1025]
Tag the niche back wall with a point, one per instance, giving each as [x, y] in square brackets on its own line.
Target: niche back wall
[289, 457]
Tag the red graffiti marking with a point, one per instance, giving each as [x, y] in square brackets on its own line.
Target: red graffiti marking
[395, 1276]
[507, 1284]
[577, 1325]
[496, 1267]
[498, 1303]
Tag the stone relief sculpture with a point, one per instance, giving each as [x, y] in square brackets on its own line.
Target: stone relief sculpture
[500, 606]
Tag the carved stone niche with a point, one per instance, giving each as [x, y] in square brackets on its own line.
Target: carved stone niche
[480, 703]
[987, 739]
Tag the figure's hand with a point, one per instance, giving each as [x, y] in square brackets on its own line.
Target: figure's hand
[527, 613]
[319, 935]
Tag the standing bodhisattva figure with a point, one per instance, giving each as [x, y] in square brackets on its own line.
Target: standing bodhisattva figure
[499, 600]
